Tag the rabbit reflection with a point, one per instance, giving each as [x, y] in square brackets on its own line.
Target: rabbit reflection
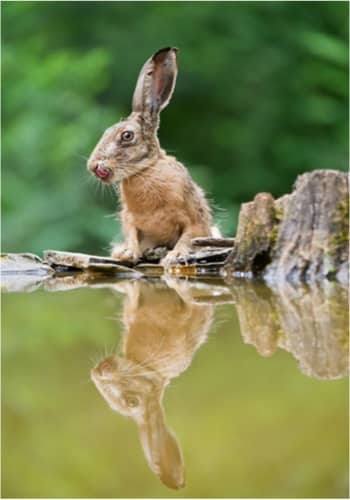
[163, 330]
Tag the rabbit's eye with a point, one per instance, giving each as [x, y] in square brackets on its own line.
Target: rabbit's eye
[132, 401]
[127, 136]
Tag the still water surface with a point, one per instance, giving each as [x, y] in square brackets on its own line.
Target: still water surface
[149, 388]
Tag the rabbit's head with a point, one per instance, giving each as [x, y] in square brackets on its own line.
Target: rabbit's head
[125, 385]
[136, 392]
[131, 145]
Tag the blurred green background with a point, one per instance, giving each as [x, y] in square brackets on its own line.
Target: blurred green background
[261, 97]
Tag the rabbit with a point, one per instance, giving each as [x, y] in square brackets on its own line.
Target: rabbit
[163, 330]
[161, 204]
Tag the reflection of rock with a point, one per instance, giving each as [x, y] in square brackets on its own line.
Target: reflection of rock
[23, 263]
[257, 315]
[316, 326]
[310, 323]
[163, 330]
[22, 272]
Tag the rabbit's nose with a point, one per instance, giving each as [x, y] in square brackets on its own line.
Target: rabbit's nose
[107, 365]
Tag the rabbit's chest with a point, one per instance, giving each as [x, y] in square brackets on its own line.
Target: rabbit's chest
[158, 227]
[157, 214]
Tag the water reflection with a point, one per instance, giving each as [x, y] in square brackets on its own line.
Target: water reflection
[311, 324]
[166, 323]
[164, 327]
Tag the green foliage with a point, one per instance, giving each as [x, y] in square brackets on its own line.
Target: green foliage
[261, 97]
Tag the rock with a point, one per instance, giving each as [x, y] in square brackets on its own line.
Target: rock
[211, 250]
[256, 223]
[213, 242]
[300, 237]
[201, 263]
[154, 255]
[81, 261]
[205, 255]
[312, 239]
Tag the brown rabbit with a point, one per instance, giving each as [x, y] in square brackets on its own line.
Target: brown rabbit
[163, 330]
[161, 205]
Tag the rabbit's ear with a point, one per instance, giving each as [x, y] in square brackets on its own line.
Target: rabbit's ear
[156, 82]
[161, 448]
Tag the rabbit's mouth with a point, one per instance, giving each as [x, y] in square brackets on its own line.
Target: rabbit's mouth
[103, 173]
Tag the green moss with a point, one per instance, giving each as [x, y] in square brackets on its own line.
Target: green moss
[342, 212]
[278, 213]
[341, 224]
[272, 235]
[340, 238]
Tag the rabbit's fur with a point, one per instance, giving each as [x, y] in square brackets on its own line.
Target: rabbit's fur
[163, 330]
[161, 205]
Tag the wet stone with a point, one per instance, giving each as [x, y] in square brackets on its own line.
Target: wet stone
[213, 242]
[71, 260]
[205, 255]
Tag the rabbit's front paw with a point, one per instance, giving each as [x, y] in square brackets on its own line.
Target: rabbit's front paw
[121, 252]
[173, 258]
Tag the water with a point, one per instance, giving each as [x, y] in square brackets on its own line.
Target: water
[174, 389]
